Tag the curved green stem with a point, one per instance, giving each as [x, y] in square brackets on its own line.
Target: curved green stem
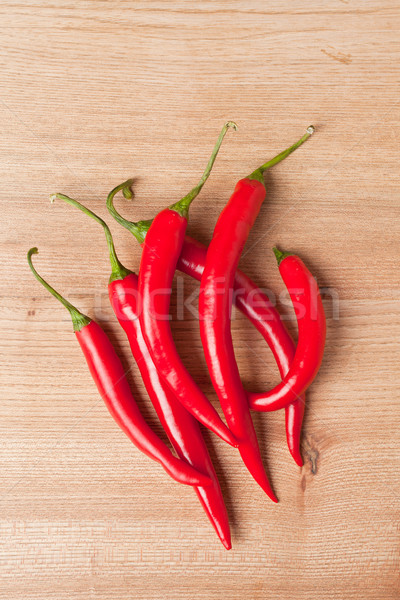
[182, 207]
[118, 271]
[139, 228]
[79, 320]
[258, 173]
[280, 256]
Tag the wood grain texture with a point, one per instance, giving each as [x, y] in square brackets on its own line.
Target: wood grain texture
[94, 92]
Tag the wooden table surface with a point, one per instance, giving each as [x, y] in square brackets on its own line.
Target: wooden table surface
[95, 92]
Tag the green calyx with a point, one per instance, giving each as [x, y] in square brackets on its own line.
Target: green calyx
[258, 174]
[79, 320]
[139, 228]
[182, 207]
[280, 256]
[118, 271]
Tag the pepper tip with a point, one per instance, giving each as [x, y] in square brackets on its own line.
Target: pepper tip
[298, 460]
[227, 544]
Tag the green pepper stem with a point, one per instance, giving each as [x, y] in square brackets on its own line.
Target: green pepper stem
[258, 173]
[182, 207]
[79, 320]
[280, 256]
[139, 228]
[118, 271]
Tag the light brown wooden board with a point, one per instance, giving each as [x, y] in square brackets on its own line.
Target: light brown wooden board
[94, 92]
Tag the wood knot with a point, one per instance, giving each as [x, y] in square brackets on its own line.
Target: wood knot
[312, 455]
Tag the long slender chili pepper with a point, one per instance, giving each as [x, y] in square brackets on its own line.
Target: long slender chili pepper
[215, 300]
[262, 314]
[160, 255]
[304, 293]
[180, 426]
[182, 429]
[110, 379]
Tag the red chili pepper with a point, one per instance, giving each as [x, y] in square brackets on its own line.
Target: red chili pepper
[181, 428]
[110, 379]
[160, 255]
[256, 306]
[304, 293]
[264, 316]
[215, 300]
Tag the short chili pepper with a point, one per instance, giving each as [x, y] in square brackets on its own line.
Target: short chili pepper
[181, 428]
[263, 315]
[304, 293]
[160, 255]
[110, 379]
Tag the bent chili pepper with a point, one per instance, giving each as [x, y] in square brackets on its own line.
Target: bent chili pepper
[110, 379]
[181, 428]
[262, 314]
[160, 255]
[306, 299]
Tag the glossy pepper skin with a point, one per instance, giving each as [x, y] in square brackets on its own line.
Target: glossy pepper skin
[215, 301]
[109, 376]
[160, 255]
[265, 318]
[256, 306]
[304, 293]
[181, 428]
[164, 241]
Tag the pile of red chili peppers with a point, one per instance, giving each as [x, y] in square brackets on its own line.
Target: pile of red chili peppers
[141, 304]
